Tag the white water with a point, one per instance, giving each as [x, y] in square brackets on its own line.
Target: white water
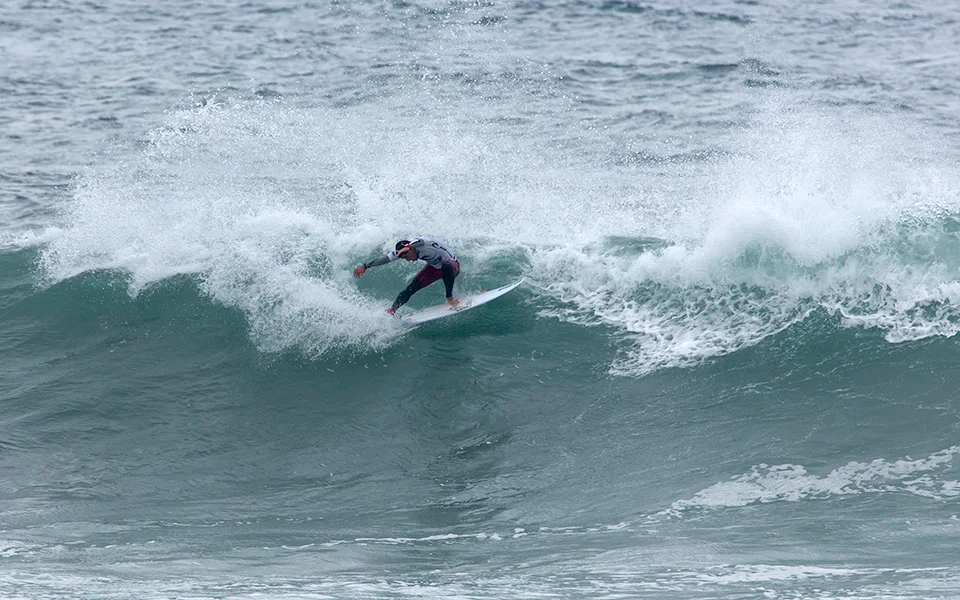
[854, 216]
[792, 483]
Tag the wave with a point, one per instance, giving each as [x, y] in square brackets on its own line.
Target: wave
[269, 207]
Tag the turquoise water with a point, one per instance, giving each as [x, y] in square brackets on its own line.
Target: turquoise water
[729, 373]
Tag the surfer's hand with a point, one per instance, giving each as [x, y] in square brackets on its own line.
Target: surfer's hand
[359, 271]
[453, 302]
[391, 311]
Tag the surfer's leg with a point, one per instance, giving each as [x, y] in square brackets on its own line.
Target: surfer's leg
[404, 296]
[449, 271]
[425, 277]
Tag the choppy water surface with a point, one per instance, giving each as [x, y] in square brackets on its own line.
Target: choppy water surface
[731, 372]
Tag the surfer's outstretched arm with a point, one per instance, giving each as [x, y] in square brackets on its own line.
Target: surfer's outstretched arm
[386, 258]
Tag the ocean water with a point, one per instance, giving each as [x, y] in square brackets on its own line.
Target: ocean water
[730, 373]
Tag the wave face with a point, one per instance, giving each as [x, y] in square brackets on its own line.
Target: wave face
[730, 372]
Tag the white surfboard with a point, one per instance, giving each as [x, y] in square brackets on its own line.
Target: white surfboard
[445, 310]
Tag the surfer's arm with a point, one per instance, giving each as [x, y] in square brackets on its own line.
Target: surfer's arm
[388, 257]
[446, 269]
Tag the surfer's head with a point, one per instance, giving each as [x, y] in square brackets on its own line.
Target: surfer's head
[406, 251]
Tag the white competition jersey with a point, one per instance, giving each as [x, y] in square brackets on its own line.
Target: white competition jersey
[431, 251]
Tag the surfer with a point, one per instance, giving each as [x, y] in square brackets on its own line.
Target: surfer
[441, 264]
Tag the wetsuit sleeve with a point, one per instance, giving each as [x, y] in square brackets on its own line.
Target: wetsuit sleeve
[388, 257]
[448, 276]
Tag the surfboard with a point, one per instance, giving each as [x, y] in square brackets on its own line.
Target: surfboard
[445, 310]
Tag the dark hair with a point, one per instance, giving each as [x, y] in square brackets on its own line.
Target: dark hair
[401, 244]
